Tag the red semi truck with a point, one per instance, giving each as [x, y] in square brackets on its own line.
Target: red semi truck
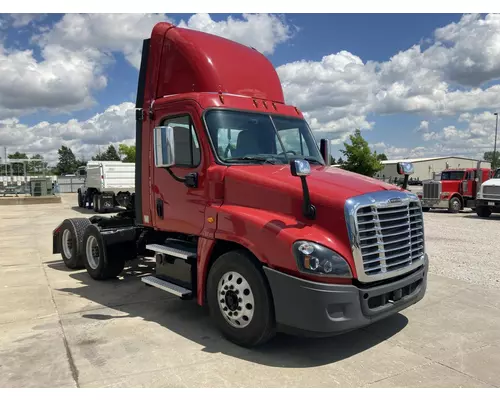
[457, 189]
[240, 208]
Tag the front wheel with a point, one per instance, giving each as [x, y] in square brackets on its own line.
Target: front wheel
[455, 205]
[240, 300]
[483, 212]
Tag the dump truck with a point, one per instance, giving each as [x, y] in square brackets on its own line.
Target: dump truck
[107, 185]
[238, 206]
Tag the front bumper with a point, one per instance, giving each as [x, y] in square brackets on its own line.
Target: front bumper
[317, 309]
[493, 204]
[434, 203]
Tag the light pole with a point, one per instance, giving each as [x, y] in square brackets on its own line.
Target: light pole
[493, 166]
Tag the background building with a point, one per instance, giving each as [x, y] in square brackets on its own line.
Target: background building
[425, 168]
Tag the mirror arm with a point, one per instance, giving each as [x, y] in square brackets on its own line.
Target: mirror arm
[405, 182]
[308, 209]
[178, 179]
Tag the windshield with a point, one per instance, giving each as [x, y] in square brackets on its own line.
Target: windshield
[244, 137]
[452, 175]
[497, 174]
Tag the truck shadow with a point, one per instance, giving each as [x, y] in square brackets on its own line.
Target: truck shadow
[128, 297]
[475, 216]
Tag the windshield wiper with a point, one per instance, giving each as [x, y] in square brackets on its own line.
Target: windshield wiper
[270, 160]
[311, 159]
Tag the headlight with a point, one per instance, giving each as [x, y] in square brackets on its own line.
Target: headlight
[479, 194]
[316, 259]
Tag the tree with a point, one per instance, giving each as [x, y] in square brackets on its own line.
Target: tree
[109, 155]
[360, 158]
[340, 161]
[488, 156]
[128, 152]
[67, 161]
[381, 157]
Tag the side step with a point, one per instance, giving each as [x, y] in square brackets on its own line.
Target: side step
[178, 251]
[176, 290]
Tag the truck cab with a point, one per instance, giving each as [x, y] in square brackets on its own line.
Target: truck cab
[488, 197]
[456, 189]
[240, 208]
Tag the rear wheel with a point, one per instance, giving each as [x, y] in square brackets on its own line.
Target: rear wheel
[483, 212]
[97, 203]
[98, 264]
[80, 199]
[455, 205]
[240, 300]
[71, 242]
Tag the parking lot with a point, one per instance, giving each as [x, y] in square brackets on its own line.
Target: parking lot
[59, 328]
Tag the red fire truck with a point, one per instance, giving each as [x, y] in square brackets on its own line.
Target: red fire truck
[241, 209]
[457, 189]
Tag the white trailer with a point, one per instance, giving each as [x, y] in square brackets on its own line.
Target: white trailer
[107, 184]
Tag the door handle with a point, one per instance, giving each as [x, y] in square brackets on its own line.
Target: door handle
[159, 208]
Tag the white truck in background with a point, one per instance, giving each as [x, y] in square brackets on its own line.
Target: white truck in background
[488, 196]
[107, 185]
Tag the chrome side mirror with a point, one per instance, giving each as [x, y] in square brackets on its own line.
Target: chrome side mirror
[164, 147]
[405, 168]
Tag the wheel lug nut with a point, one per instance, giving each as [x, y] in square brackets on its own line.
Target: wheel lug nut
[231, 287]
[237, 292]
[225, 308]
[230, 314]
[235, 314]
[240, 300]
[225, 287]
[239, 308]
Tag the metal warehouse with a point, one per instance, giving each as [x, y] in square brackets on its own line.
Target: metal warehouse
[426, 168]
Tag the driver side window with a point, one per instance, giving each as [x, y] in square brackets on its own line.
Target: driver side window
[187, 147]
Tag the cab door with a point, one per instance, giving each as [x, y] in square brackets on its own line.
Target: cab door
[177, 199]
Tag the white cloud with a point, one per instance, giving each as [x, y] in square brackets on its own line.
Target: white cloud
[113, 126]
[341, 91]
[76, 49]
[22, 20]
[472, 140]
[261, 31]
[63, 81]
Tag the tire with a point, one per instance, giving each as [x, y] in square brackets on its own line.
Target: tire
[80, 200]
[483, 212]
[95, 202]
[98, 264]
[426, 209]
[259, 325]
[455, 205]
[71, 242]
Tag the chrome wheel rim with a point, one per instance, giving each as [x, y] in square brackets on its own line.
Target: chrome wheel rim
[67, 243]
[92, 252]
[235, 298]
[455, 204]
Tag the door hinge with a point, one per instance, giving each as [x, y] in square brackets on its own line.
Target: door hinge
[139, 114]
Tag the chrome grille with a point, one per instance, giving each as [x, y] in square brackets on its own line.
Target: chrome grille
[491, 192]
[390, 237]
[432, 190]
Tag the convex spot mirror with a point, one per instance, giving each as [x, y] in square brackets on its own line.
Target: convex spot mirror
[164, 146]
[405, 168]
[300, 167]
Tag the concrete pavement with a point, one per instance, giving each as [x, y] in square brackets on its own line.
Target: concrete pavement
[59, 328]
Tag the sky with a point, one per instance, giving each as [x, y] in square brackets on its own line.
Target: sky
[416, 85]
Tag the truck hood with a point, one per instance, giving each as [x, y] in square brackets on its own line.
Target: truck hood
[491, 182]
[450, 186]
[273, 187]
